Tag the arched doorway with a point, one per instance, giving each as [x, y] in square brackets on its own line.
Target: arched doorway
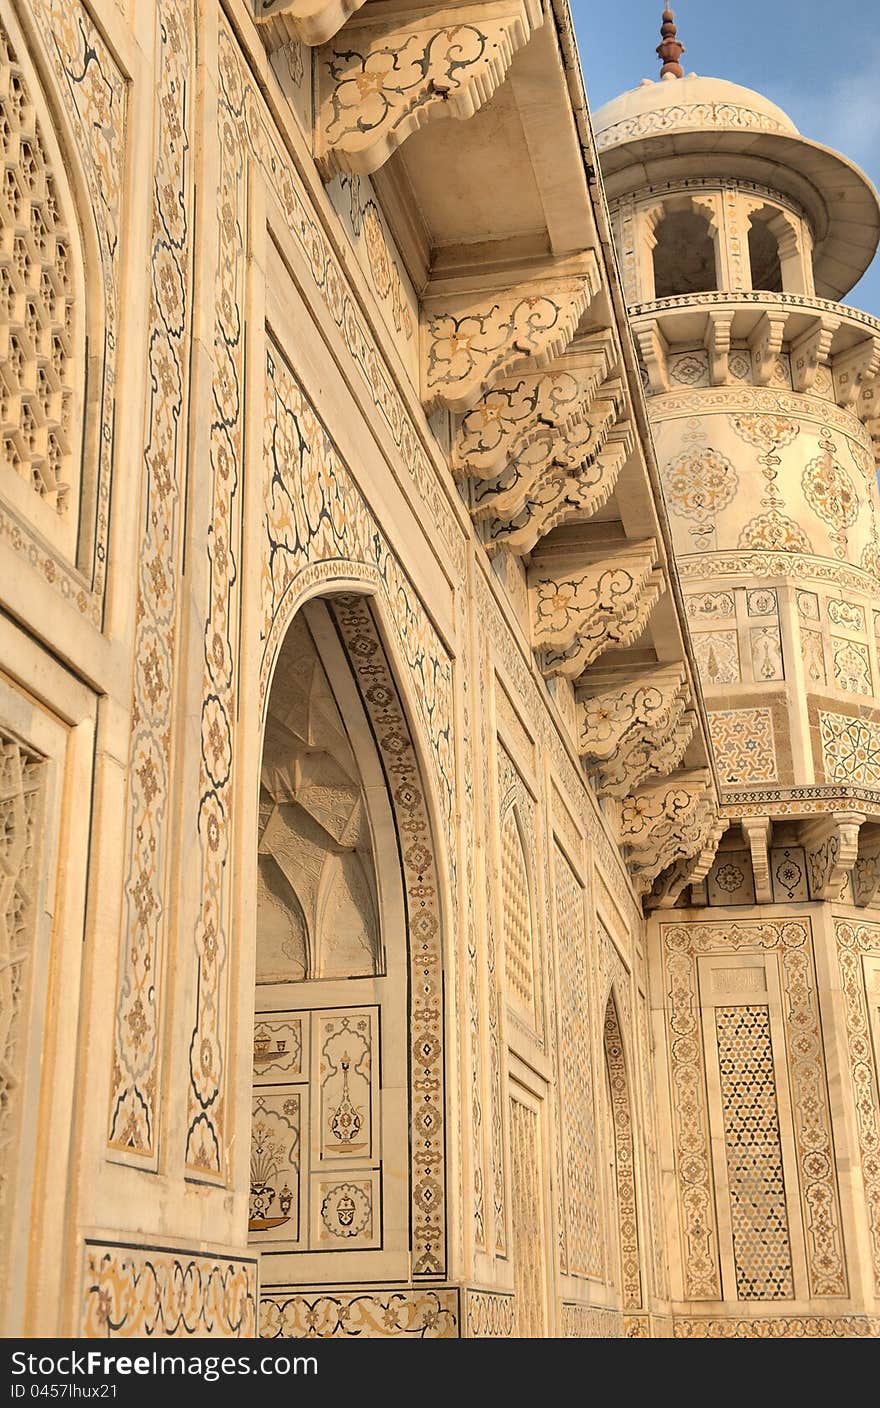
[347, 1153]
[625, 1231]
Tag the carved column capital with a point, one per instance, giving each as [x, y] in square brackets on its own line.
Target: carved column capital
[578, 614]
[638, 730]
[472, 339]
[831, 845]
[383, 79]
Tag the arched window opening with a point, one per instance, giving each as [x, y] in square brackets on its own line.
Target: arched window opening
[685, 258]
[764, 257]
[329, 1140]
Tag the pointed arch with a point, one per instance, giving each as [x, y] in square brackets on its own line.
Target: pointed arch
[367, 791]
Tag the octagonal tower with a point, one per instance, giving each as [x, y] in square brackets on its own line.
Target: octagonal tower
[737, 239]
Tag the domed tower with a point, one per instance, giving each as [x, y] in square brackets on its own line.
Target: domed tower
[737, 237]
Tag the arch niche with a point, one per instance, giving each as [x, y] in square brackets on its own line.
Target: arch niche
[625, 1222]
[347, 1149]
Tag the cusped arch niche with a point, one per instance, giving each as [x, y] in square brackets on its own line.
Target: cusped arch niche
[317, 900]
[349, 975]
[46, 318]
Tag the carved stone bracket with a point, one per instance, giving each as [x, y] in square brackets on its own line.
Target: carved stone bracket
[854, 369]
[565, 493]
[765, 345]
[381, 81]
[757, 831]
[575, 617]
[831, 845]
[811, 351]
[471, 340]
[668, 821]
[307, 21]
[520, 410]
[653, 350]
[669, 884]
[568, 450]
[718, 347]
[636, 731]
[866, 871]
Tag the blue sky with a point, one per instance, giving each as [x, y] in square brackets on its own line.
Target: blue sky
[819, 62]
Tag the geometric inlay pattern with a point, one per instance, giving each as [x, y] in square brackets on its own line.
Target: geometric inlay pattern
[744, 745]
[758, 1214]
[850, 749]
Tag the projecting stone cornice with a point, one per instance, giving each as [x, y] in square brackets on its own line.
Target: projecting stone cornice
[580, 612]
[383, 79]
[669, 883]
[638, 730]
[520, 410]
[473, 339]
[815, 332]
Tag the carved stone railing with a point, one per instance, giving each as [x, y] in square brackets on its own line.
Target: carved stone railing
[638, 730]
[577, 614]
[814, 331]
[384, 78]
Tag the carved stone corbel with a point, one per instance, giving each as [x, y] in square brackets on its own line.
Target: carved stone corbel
[567, 450]
[382, 80]
[635, 731]
[306, 21]
[663, 822]
[866, 871]
[471, 340]
[669, 884]
[576, 616]
[653, 350]
[757, 831]
[854, 369]
[831, 844]
[564, 495]
[812, 351]
[717, 343]
[520, 410]
[765, 345]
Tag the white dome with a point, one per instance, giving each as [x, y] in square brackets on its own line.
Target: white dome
[686, 105]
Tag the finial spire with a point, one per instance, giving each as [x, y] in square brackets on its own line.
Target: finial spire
[671, 49]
